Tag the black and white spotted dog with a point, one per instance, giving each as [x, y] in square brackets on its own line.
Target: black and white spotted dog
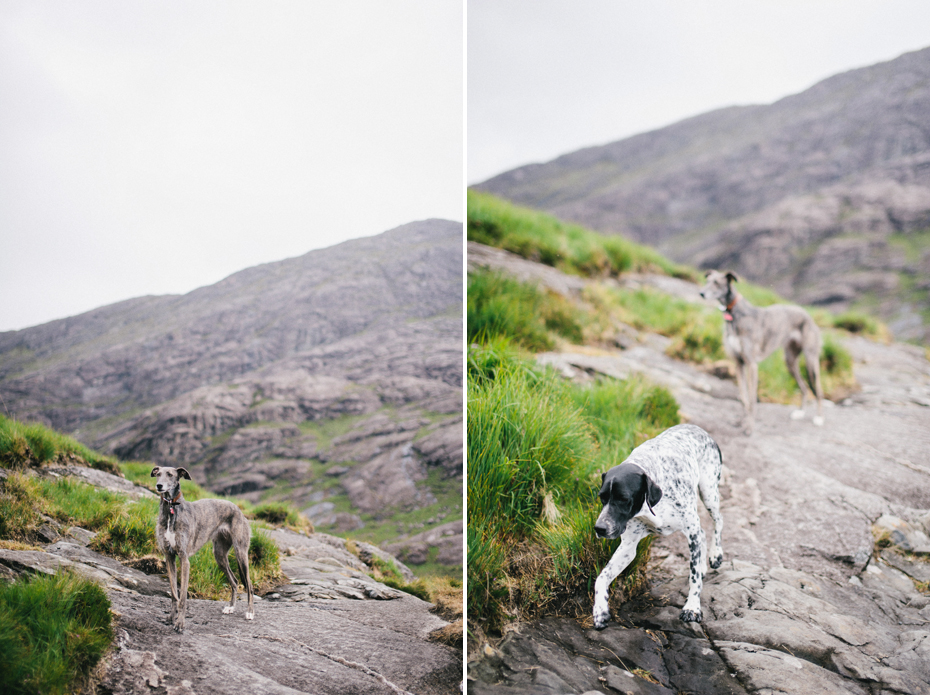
[655, 491]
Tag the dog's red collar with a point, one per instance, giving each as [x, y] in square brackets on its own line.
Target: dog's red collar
[726, 313]
[172, 503]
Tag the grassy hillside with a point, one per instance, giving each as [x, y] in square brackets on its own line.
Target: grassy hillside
[568, 247]
[539, 320]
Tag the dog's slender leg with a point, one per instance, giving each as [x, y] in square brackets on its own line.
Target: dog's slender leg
[792, 356]
[742, 386]
[242, 559]
[182, 602]
[746, 392]
[710, 495]
[752, 382]
[812, 357]
[623, 556]
[221, 546]
[691, 613]
[173, 583]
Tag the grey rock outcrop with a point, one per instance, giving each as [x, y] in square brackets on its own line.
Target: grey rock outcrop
[822, 194]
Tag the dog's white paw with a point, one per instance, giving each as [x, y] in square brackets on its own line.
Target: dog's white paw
[690, 616]
[228, 609]
[797, 414]
[818, 421]
[250, 615]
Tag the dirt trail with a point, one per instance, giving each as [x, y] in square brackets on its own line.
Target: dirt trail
[802, 604]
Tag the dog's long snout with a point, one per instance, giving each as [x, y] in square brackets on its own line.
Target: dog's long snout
[158, 486]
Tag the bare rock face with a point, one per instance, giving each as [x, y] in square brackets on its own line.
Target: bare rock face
[335, 377]
[824, 195]
[447, 539]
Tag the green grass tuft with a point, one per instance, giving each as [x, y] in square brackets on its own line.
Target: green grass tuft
[23, 445]
[568, 247]
[500, 306]
[536, 445]
[53, 631]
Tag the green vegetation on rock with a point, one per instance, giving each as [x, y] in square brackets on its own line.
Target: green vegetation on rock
[537, 320]
[499, 306]
[536, 445]
[23, 445]
[568, 247]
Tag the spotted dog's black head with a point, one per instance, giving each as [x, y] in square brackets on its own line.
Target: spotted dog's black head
[168, 481]
[624, 491]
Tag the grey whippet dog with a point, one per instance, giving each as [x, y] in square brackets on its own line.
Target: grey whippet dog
[750, 334]
[184, 527]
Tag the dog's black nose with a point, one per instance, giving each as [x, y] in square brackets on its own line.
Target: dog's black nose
[158, 487]
[600, 530]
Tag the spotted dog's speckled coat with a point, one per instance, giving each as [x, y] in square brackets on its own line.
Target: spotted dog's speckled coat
[655, 491]
[184, 527]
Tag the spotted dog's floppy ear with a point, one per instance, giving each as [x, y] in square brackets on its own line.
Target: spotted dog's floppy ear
[731, 277]
[182, 473]
[603, 475]
[653, 493]
[155, 471]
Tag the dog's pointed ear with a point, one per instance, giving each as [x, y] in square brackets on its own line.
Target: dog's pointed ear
[155, 471]
[731, 277]
[707, 273]
[653, 493]
[182, 473]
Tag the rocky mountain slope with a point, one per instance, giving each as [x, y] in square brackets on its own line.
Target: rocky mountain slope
[329, 628]
[823, 589]
[824, 195]
[332, 380]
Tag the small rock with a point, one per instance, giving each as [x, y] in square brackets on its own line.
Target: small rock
[903, 534]
[47, 533]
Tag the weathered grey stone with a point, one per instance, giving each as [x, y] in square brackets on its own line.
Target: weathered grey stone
[97, 478]
[119, 573]
[331, 647]
[903, 534]
[85, 562]
[447, 538]
[768, 672]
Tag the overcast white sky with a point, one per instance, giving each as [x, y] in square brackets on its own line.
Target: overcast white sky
[152, 148]
[547, 77]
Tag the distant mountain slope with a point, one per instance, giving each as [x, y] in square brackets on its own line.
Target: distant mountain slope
[333, 379]
[848, 158]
